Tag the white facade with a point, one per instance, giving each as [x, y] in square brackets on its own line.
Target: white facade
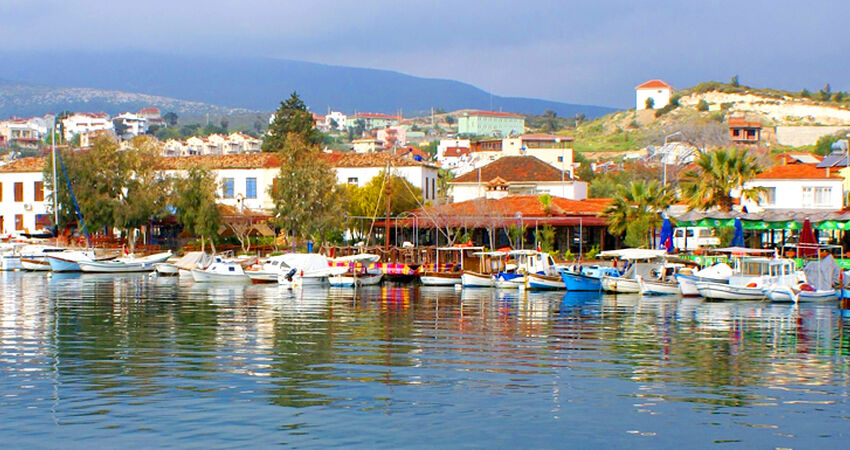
[19, 215]
[421, 176]
[85, 123]
[338, 117]
[798, 194]
[570, 189]
[24, 131]
[659, 91]
[447, 143]
[135, 124]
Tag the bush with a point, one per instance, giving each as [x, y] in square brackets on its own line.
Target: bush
[591, 254]
[702, 105]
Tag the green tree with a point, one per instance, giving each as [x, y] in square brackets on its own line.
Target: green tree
[550, 122]
[307, 201]
[826, 92]
[119, 127]
[702, 105]
[710, 185]
[650, 103]
[805, 93]
[170, 118]
[450, 120]
[291, 118]
[637, 208]
[371, 199]
[735, 81]
[194, 200]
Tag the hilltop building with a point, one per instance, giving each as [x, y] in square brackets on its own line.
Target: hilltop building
[657, 90]
[490, 123]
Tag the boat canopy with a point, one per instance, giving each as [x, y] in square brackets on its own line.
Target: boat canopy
[744, 251]
[363, 258]
[304, 261]
[446, 249]
[633, 253]
[194, 259]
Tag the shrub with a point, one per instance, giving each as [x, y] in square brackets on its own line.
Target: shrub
[702, 105]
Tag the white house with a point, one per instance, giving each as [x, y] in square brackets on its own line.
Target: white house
[517, 175]
[135, 124]
[338, 118]
[450, 143]
[359, 169]
[23, 206]
[24, 132]
[659, 91]
[797, 187]
[554, 150]
[80, 123]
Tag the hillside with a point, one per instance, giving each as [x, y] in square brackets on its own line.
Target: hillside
[22, 100]
[261, 83]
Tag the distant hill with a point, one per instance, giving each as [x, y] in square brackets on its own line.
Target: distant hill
[261, 83]
[22, 100]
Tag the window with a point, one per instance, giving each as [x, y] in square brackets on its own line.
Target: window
[1, 197]
[227, 188]
[560, 159]
[39, 191]
[352, 180]
[250, 188]
[19, 192]
[816, 196]
[427, 186]
[768, 196]
[433, 188]
[2, 229]
[42, 221]
[19, 222]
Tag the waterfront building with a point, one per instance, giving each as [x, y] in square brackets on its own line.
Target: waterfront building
[657, 90]
[517, 175]
[490, 123]
[23, 208]
[797, 186]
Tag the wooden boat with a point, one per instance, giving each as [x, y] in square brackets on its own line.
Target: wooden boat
[649, 286]
[587, 278]
[539, 281]
[489, 265]
[125, 265]
[221, 272]
[68, 261]
[753, 276]
[34, 257]
[640, 262]
[166, 269]
[528, 263]
[449, 271]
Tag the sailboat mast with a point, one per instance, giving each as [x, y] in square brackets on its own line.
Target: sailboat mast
[387, 218]
[55, 187]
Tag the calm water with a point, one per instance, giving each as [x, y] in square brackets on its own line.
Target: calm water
[130, 360]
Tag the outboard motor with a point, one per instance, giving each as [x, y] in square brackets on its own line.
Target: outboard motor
[290, 274]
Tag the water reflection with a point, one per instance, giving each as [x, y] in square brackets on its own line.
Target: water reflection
[88, 353]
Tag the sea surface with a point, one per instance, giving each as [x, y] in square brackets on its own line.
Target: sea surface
[139, 361]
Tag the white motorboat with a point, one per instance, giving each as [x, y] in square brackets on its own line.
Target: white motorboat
[640, 262]
[799, 294]
[166, 269]
[717, 273]
[529, 262]
[821, 276]
[354, 279]
[34, 257]
[540, 281]
[221, 272]
[751, 279]
[125, 264]
[68, 261]
[10, 256]
[302, 269]
[649, 286]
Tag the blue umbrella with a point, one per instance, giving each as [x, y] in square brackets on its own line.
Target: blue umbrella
[666, 239]
[738, 238]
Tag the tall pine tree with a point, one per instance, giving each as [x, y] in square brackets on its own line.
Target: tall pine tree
[291, 118]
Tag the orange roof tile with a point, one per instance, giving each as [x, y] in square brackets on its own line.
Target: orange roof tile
[797, 172]
[514, 169]
[29, 164]
[455, 152]
[483, 211]
[654, 84]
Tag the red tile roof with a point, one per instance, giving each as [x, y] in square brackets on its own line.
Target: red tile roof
[743, 123]
[514, 169]
[238, 161]
[798, 172]
[483, 211]
[455, 152]
[654, 84]
[378, 159]
[29, 164]
[493, 114]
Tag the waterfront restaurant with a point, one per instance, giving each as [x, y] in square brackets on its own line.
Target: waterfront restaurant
[579, 225]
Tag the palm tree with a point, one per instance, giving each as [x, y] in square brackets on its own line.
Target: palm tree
[717, 174]
[636, 209]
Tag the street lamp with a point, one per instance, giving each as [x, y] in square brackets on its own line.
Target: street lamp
[664, 156]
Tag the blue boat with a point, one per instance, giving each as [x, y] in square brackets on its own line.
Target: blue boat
[589, 279]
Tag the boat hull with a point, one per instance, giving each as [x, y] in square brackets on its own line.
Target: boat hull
[620, 285]
[475, 279]
[167, 269]
[688, 284]
[508, 281]
[785, 294]
[115, 267]
[58, 264]
[35, 264]
[11, 262]
[349, 280]
[537, 281]
[651, 287]
[261, 276]
[440, 279]
[720, 291]
[202, 276]
[580, 282]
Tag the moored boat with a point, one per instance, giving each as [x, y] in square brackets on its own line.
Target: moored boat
[221, 272]
[125, 265]
[448, 266]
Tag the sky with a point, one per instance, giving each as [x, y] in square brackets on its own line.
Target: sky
[591, 52]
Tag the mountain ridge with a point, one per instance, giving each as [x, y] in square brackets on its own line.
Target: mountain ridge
[259, 84]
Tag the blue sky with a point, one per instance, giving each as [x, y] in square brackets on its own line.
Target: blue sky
[591, 52]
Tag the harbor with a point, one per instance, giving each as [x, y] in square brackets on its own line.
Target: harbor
[109, 358]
